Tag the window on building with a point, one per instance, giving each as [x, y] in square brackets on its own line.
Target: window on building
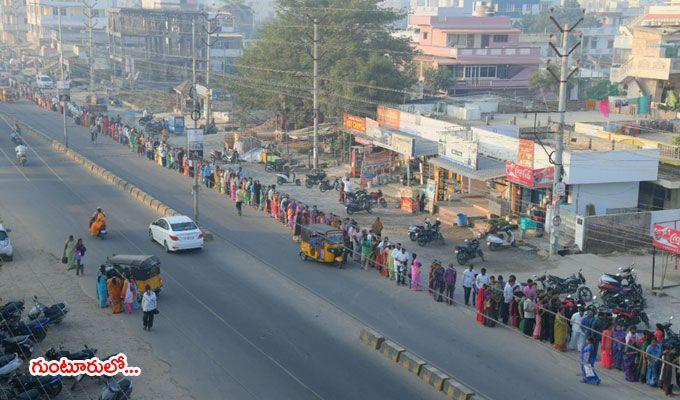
[593, 43]
[425, 35]
[610, 44]
[487, 72]
[500, 38]
[461, 41]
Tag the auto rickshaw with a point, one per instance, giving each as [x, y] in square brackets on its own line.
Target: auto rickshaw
[322, 243]
[8, 95]
[146, 270]
[274, 163]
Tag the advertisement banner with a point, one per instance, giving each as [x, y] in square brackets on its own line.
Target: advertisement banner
[532, 178]
[195, 142]
[460, 152]
[666, 238]
[525, 155]
[401, 144]
[354, 123]
[389, 117]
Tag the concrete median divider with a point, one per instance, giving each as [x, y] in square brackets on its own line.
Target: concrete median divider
[391, 350]
[411, 362]
[371, 338]
[457, 391]
[106, 175]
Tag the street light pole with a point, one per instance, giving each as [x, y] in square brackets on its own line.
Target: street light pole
[63, 78]
[195, 115]
[90, 27]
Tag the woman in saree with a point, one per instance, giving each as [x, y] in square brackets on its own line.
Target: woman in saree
[630, 365]
[653, 362]
[643, 360]
[480, 303]
[490, 305]
[588, 374]
[538, 325]
[607, 348]
[415, 275]
[115, 287]
[102, 290]
[561, 331]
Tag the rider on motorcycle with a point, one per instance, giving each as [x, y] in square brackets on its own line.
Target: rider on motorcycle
[97, 222]
[21, 150]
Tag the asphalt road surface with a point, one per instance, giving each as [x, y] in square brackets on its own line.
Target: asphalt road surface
[245, 318]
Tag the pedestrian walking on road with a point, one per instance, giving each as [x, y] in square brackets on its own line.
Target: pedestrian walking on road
[588, 355]
[69, 255]
[102, 291]
[468, 282]
[79, 256]
[577, 337]
[149, 307]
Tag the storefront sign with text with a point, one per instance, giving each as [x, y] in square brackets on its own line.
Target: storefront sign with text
[525, 155]
[532, 178]
[354, 123]
[666, 238]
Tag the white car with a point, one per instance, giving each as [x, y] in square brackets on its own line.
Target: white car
[44, 82]
[6, 250]
[176, 233]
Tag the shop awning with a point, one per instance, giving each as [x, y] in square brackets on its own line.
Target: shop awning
[487, 168]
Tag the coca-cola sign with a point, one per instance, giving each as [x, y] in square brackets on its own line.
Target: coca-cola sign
[666, 238]
[533, 178]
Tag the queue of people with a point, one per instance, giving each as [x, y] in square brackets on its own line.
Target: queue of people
[536, 313]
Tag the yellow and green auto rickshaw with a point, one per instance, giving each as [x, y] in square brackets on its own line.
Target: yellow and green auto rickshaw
[146, 270]
[322, 243]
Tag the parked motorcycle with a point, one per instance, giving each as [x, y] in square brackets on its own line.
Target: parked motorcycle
[430, 234]
[314, 178]
[116, 389]
[572, 284]
[672, 341]
[327, 185]
[33, 394]
[55, 313]
[287, 177]
[36, 329]
[9, 364]
[377, 198]
[50, 385]
[502, 239]
[629, 316]
[87, 352]
[414, 230]
[468, 252]
[21, 345]
[359, 204]
[614, 292]
[11, 311]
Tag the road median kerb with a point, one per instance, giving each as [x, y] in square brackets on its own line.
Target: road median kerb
[371, 338]
[433, 376]
[411, 362]
[391, 350]
[457, 391]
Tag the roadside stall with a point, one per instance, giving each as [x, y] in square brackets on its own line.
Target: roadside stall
[665, 249]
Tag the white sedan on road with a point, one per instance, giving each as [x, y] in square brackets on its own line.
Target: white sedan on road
[176, 233]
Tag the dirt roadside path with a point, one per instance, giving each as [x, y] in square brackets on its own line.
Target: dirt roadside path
[40, 273]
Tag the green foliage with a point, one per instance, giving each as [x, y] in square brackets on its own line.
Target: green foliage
[541, 23]
[542, 80]
[357, 57]
[602, 90]
[438, 79]
[676, 140]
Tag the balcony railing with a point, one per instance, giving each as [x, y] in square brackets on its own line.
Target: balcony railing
[462, 53]
[669, 151]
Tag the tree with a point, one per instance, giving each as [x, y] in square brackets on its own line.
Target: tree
[541, 23]
[543, 81]
[601, 90]
[360, 62]
[438, 79]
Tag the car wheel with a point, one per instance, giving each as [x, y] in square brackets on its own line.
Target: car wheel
[151, 236]
[165, 246]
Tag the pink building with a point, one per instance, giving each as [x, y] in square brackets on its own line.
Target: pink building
[483, 52]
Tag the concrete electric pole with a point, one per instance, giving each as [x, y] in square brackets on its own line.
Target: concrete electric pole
[558, 186]
[90, 28]
[315, 151]
[63, 75]
[195, 116]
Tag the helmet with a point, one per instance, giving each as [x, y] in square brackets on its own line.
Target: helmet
[99, 209]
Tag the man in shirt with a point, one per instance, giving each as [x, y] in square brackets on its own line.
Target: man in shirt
[395, 257]
[508, 294]
[240, 195]
[450, 283]
[482, 279]
[400, 261]
[366, 249]
[530, 289]
[468, 281]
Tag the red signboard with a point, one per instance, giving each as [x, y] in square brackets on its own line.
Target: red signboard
[666, 238]
[354, 123]
[389, 117]
[532, 178]
[525, 155]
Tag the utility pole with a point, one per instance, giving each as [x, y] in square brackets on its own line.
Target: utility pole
[315, 153]
[63, 78]
[212, 28]
[563, 79]
[90, 28]
[195, 115]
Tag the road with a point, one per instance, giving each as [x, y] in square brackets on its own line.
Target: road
[248, 289]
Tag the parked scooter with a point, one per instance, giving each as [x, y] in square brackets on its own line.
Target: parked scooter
[377, 198]
[117, 389]
[287, 177]
[327, 185]
[9, 364]
[468, 252]
[50, 385]
[614, 292]
[502, 239]
[55, 313]
[37, 329]
[11, 311]
[572, 284]
[87, 352]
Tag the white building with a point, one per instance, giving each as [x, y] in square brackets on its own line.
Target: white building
[12, 21]
[43, 20]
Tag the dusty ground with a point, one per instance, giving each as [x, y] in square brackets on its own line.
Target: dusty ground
[36, 272]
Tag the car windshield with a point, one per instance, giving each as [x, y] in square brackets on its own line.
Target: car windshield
[3, 235]
[334, 237]
[183, 226]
